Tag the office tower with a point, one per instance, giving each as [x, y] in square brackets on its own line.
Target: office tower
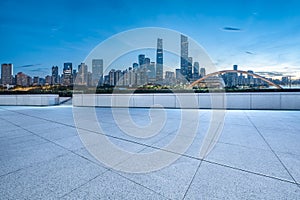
[67, 74]
[190, 68]
[202, 72]
[170, 78]
[6, 73]
[235, 67]
[82, 75]
[159, 60]
[112, 79]
[22, 79]
[89, 79]
[135, 65]
[55, 78]
[196, 70]
[141, 59]
[146, 62]
[74, 75]
[152, 77]
[286, 80]
[132, 77]
[119, 78]
[97, 71]
[48, 80]
[36, 80]
[250, 78]
[184, 56]
[125, 77]
[106, 80]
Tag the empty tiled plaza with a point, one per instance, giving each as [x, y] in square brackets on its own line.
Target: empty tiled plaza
[257, 156]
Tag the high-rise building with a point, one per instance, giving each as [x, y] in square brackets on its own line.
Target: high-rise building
[250, 79]
[67, 74]
[202, 72]
[6, 73]
[152, 77]
[36, 80]
[190, 68]
[97, 72]
[135, 65]
[22, 79]
[55, 78]
[170, 78]
[48, 80]
[159, 60]
[119, 78]
[146, 62]
[82, 75]
[196, 70]
[235, 67]
[184, 56]
[89, 79]
[112, 77]
[141, 59]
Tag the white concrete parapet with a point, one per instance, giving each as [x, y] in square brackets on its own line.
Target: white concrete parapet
[251, 100]
[29, 100]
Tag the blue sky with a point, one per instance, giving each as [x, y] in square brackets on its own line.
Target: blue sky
[260, 35]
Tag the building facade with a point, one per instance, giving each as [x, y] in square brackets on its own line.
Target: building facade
[6, 73]
[159, 60]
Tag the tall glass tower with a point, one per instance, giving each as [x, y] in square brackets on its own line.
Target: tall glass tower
[6, 73]
[184, 56]
[97, 72]
[54, 79]
[159, 60]
[67, 74]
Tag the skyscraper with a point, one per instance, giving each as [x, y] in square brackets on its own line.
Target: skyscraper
[135, 65]
[97, 71]
[202, 72]
[196, 70]
[184, 56]
[159, 60]
[54, 79]
[141, 59]
[190, 68]
[82, 75]
[6, 73]
[152, 77]
[67, 74]
[235, 67]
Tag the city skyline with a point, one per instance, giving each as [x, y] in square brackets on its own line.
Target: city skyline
[143, 72]
[93, 74]
[255, 35]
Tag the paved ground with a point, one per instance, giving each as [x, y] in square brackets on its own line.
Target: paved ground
[42, 157]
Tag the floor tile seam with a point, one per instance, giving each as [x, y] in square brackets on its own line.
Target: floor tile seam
[228, 166]
[36, 117]
[68, 150]
[34, 164]
[78, 128]
[117, 173]
[236, 168]
[192, 180]
[191, 157]
[163, 150]
[139, 151]
[250, 172]
[133, 181]
[11, 172]
[81, 185]
[243, 146]
[274, 153]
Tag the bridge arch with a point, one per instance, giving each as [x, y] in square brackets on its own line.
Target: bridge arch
[234, 71]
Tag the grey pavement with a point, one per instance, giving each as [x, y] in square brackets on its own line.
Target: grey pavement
[42, 157]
